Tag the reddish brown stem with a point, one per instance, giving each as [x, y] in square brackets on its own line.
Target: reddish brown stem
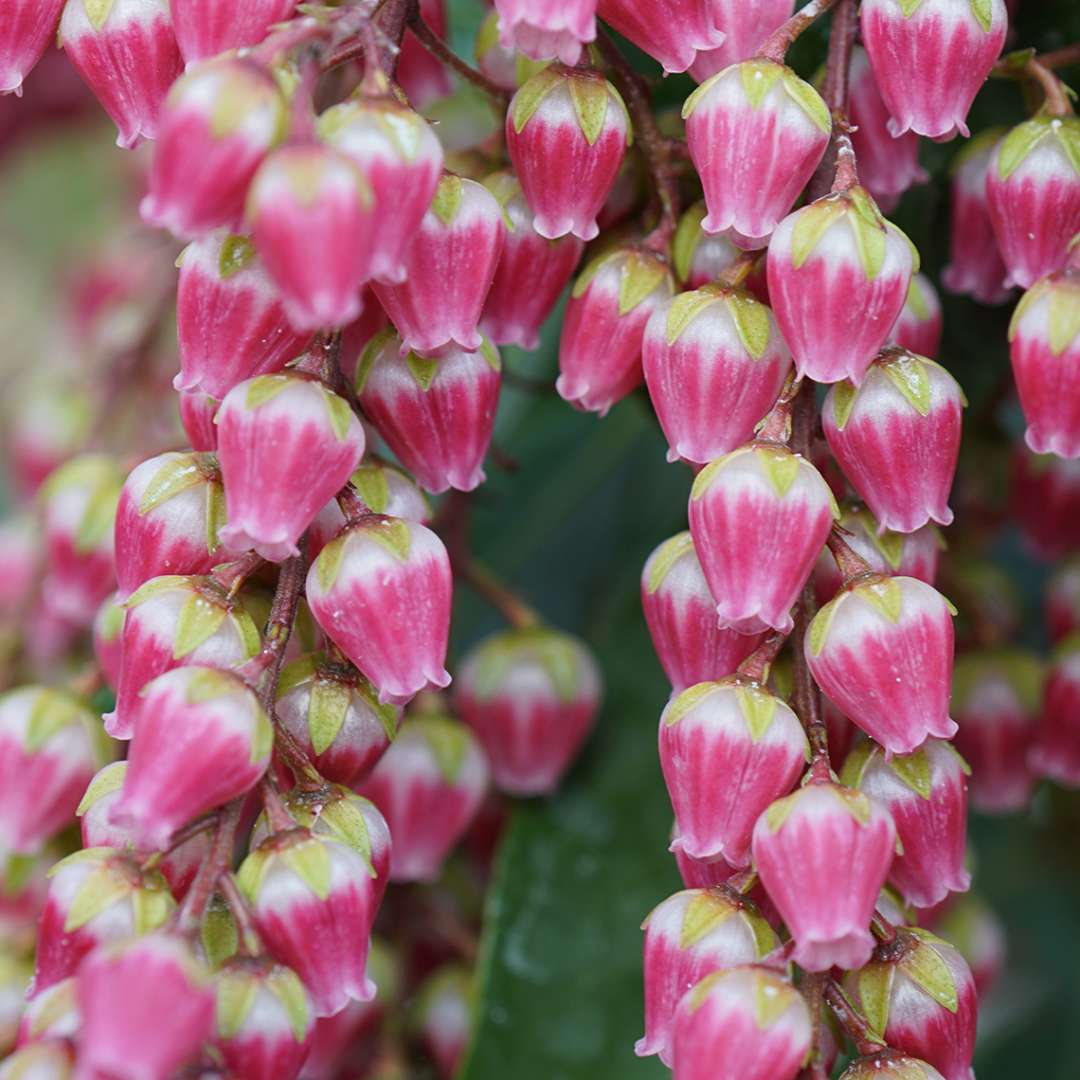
[441, 51]
[848, 561]
[232, 575]
[775, 47]
[1057, 98]
[882, 929]
[218, 859]
[756, 665]
[499, 595]
[352, 506]
[394, 17]
[1059, 58]
[866, 1042]
[250, 942]
[813, 990]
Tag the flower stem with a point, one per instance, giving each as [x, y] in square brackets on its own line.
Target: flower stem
[866, 1042]
[499, 595]
[756, 665]
[441, 51]
[1057, 99]
[848, 561]
[813, 990]
[1059, 58]
[217, 860]
[250, 942]
[775, 47]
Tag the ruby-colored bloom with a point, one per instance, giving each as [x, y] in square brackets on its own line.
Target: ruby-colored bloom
[839, 275]
[996, 698]
[975, 266]
[690, 935]
[759, 518]
[291, 428]
[699, 258]
[931, 58]
[531, 695]
[1033, 195]
[532, 271]
[1056, 750]
[429, 786]
[897, 438]
[736, 729]
[313, 219]
[567, 130]
[926, 793]
[29, 27]
[107, 635]
[746, 1022]
[381, 592]
[124, 991]
[1044, 342]
[444, 1016]
[205, 28]
[547, 29]
[746, 26]
[671, 31]
[230, 322]
[436, 415]
[919, 327]
[48, 754]
[126, 52]
[714, 364]
[756, 133]
[197, 412]
[219, 121]
[600, 347]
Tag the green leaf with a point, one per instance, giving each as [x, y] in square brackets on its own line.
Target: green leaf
[705, 912]
[422, 370]
[752, 322]
[758, 708]
[842, 400]
[686, 307]
[914, 771]
[590, 97]
[642, 275]
[781, 469]
[665, 558]
[198, 621]
[97, 12]
[910, 375]
[103, 887]
[327, 709]
[180, 472]
[812, 103]
[688, 700]
[236, 995]
[392, 534]
[875, 990]
[983, 11]
[341, 415]
[108, 780]
[448, 197]
[309, 860]
[528, 99]
[1016, 146]
[1063, 316]
[236, 253]
[328, 562]
[264, 388]
[286, 986]
[811, 224]
[925, 967]
[757, 78]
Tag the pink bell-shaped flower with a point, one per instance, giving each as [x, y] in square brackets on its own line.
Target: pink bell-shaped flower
[532, 271]
[444, 1016]
[882, 651]
[108, 638]
[756, 133]
[436, 415]
[736, 729]
[839, 275]
[1033, 195]
[171, 508]
[294, 429]
[610, 305]
[219, 121]
[493, 59]
[1055, 752]
[759, 518]
[531, 695]
[567, 130]
[919, 327]
[681, 615]
[333, 713]
[699, 258]
[125, 989]
[547, 29]
[690, 935]
[205, 28]
[714, 364]
[926, 793]
[450, 266]
[746, 26]
[429, 786]
[823, 854]
[746, 1022]
[197, 412]
[126, 52]
[1044, 342]
[29, 27]
[312, 215]
[671, 31]
[381, 592]
[931, 58]
[1046, 503]
[50, 1017]
[897, 438]
[423, 76]
[230, 322]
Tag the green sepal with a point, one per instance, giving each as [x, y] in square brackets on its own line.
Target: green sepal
[884, 596]
[529, 97]
[818, 631]
[309, 860]
[286, 986]
[687, 237]
[765, 939]
[83, 855]
[102, 888]
[404, 129]
[590, 97]
[874, 984]
[236, 252]
[97, 12]
[870, 232]
[216, 515]
[854, 802]
[1063, 317]
[667, 555]
[909, 7]
[1019, 143]
[236, 994]
[558, 654]
[198, 621]
[327, 709]
[757, 78]
[751, 318]
[842, 398]
[328, 562]
[448, 741]
[705, 912]
[913, 770]
[487, 37]
[369, 357]
[917, 301]
[422, 370]
[52, 711]
[925, 967]
[262, 738]
[264, 388]
[781, 469]
[347, 824]
[371, 484]
[62, 1001]
[490, 354]
[112, 621]
[758, 708]
[218, 934]
[984, 13]
[391, 534]
[811, 102]
[151, 904]
[209, 684]
[585, 278]
[910, 375]
[341, 416]
[859, 757]
[687, 700]
[155, 586]
[641, 276]
[1067, 130]
[772, 999]
[686, 307]
[247, 631]
[448, 198]
[178, 474]
[811, 224]
[692, 102]
[704, 479]
[98, 520]
[108, 780]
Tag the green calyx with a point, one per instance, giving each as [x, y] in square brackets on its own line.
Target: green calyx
[640, 275]
[52, 712]
[303, 853]
[1024, 138]
[590, 94]
[339, 816]
[665, 557]
[1023, 672]
[1062, 317]
[852, 802]
[115, 879]
[236, 253]
[883, 594]
[99, 476]
[562, 658]
[447, 739]
[749, 316]
[108, 780]
[688, 235]
[393, 535]
[178, 473]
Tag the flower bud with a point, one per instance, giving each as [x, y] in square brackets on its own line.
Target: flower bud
[500, 63]
[429, 786]
[567, 130]
[126, 52]
[759, 518]
[450, 266]
[381, 592]
[51, 1015]
[919, 327]
[1046, 503]
[971, 925]
[531, 274]
[95, 896]
[531, 695]
[926, 793]
[690, 935]
[28, 29]
[922, 1001]
[219, 121]
[681, 615]
[1044, 342]
[890, 1065]
[930, 59]
[610, 305]
[547, 29]
[823, 854]
[1033, 194]
[205, 28]
[51, 425]
[332, 711]
[671, 31]
[52, 1060]
[230, 323]
[295, 430]
[736, 729]
[699, 873]
[107, 635]
[197, 412]
[714, 364]
[423, 77]
[1055, 753]
[756, 133]
[125, 989]
[264, 1019]
[174, 622]
[839, 275]
[437, 416]
[444, 1015]
[49, 750]
[698, 257]
[746, 27]
[746, 1022]
[897, 438]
